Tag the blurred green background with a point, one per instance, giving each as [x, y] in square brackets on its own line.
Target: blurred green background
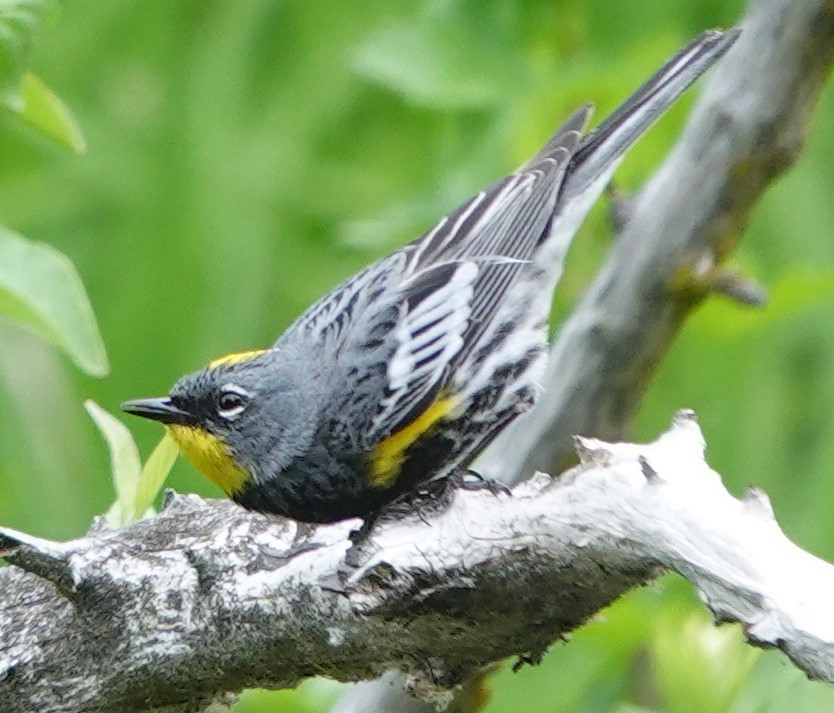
[244, 157]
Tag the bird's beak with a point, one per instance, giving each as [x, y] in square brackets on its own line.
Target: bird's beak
[160, 409]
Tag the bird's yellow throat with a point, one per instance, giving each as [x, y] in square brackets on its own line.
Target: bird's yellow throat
[210, 456]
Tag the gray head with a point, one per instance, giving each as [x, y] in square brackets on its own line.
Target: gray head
[242, 417]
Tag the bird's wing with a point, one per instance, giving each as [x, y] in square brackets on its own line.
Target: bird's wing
[396, 332]
[329, 320]
[434, 311]
[454, 278]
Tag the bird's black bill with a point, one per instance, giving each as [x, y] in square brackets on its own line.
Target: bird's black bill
[160, 409]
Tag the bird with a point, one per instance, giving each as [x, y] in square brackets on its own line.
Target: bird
[406, 371]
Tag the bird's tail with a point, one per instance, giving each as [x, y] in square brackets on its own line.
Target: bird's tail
[601, 149]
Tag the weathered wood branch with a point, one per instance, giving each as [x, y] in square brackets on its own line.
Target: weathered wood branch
[206, 598]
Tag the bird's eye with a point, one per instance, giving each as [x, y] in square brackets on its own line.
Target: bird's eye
[231, 402]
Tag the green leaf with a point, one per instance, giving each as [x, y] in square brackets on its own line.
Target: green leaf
[125, 465]
[136, 486]
[18, 21]
[40, 288]
[153, 476]
[41, 109]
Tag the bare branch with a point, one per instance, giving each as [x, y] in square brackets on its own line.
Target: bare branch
[207, 597]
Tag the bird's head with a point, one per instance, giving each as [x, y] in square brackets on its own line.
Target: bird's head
[219, 416]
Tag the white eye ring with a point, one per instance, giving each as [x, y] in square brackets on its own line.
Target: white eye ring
[236, 398]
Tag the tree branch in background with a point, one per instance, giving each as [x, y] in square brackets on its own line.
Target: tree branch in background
[748, 128]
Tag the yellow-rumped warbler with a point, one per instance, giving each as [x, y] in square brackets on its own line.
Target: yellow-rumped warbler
[407, 370]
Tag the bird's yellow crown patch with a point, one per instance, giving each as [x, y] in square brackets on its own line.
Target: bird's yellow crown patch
[388, 456]
[210, 456]
[236, 358]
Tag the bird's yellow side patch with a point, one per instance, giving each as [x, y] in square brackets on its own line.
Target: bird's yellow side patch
[388, 456]
[210, 456]
[236, 358]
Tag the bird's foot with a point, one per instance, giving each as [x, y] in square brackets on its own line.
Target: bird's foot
[468, 479]
[360, 539]
[361, 534]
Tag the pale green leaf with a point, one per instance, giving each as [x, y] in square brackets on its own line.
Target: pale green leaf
[125, 465]
[19, 19]
[153, 476]
[40, 288]
[41, 109]
[136, 486]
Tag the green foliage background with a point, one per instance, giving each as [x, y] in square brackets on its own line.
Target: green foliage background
[244, 157]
